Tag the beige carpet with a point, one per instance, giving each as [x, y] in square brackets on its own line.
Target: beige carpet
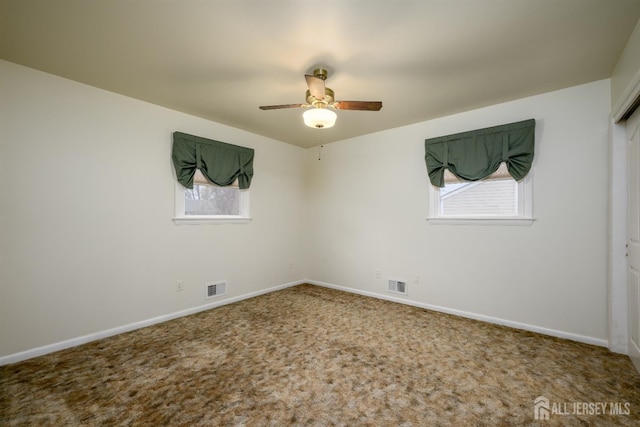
[311, 356]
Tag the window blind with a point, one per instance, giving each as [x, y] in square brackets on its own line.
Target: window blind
[219, 162]
[477, 154]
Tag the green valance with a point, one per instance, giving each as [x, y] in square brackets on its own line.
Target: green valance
[219, 162]
[476, 154]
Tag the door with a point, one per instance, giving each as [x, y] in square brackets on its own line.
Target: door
[633, 238]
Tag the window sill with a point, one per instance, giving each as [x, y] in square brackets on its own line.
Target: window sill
[200, 220]
[481, 221]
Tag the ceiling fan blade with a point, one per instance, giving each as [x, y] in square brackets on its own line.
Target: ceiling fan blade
[277, 107]
[316, 86]
[358, 105]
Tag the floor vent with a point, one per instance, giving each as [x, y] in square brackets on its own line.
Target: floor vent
[397, 286]
[216, 289]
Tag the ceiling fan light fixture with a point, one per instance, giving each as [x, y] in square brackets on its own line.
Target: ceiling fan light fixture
[319, 118]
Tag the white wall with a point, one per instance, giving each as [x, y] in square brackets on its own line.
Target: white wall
[87, 240]
[368, 204]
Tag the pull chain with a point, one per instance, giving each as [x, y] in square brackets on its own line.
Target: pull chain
[320, 146]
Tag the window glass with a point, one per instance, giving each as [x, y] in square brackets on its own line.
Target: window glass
[490, 197]
[210, 199]
[208, 203]
[498, 197]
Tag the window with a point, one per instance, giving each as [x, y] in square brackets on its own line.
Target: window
[497, 199]
[213, 180]
[208, 203]
[482, 176]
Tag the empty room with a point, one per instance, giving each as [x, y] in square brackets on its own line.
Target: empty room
[338, 213]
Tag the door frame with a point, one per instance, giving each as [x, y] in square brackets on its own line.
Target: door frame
[618, 320]
[617, 299]
[633, 137]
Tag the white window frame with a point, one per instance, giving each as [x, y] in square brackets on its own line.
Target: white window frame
[182, 219]
[524, 216]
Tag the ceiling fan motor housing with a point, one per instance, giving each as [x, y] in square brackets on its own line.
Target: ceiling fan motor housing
[329, 96]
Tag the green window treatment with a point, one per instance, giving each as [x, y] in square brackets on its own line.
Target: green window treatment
[476, 154]
[219, 162]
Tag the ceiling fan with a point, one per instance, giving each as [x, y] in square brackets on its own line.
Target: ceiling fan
[319, 97]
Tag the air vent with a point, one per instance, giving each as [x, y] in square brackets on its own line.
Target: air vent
[216, 289]
[397, 286]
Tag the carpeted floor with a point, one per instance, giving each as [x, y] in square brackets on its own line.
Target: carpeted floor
[311, 356]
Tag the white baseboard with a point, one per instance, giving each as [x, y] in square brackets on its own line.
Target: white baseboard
[481, 317]
[74, 342]
[619, 348]
[39, 351]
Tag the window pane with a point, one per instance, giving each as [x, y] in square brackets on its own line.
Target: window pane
[206, 199]
[492, 197]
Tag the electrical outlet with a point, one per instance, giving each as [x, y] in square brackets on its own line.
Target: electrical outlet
[416, 279]
[377, 274]
[180, 286]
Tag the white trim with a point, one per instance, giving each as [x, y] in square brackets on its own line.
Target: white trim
[474, 316]
[480, 221]
[617, 321]
[201, 219]
[74, 342]
[628, 97]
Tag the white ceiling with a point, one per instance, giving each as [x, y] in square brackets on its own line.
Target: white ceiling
[221, 59]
